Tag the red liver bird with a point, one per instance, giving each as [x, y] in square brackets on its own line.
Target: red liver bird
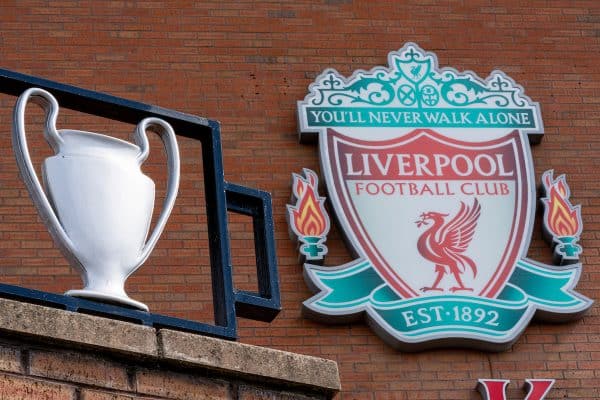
[444, 243]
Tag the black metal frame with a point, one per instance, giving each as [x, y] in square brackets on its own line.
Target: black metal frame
[220, 197]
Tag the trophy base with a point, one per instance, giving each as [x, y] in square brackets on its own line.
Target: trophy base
[107, 298]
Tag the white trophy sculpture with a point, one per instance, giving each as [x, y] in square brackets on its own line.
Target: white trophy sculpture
[97, 204]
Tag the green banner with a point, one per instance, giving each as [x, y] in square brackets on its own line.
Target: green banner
[512, 118]
[358, 286]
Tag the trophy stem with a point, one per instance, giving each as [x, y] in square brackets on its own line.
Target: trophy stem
[107, 285]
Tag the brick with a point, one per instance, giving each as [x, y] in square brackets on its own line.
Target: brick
[20, 388]
[10, 359]
[78, 368]
[87, 394]
[252, 393]
[180, 386]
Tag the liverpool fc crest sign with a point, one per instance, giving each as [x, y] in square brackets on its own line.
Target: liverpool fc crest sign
[430, 176]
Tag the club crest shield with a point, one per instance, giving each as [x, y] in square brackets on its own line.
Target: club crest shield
[431, 179]
[419, 207]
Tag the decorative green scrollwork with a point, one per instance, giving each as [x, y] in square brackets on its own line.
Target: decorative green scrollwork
[374, 91]
[415, 81]
[464, 92]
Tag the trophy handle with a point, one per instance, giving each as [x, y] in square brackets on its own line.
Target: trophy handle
[45, 100]
[167, 135]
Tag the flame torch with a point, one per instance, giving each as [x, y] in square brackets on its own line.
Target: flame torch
[562, 221]
[308, 219]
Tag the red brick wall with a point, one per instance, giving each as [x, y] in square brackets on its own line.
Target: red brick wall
[246, 64]
[45, 373]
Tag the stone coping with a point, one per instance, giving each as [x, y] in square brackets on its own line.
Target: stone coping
[251, 363]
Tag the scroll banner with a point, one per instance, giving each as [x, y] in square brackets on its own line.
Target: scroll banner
[356, 287]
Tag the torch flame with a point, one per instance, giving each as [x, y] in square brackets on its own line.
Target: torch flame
[561, 218]
[308, 217]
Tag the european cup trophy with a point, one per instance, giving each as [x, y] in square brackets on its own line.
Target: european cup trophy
[95, 201]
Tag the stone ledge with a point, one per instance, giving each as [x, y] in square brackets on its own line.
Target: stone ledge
[245, 360]
[80, 330]
[241, 361]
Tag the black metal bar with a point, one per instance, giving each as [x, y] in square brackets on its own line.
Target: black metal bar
[104, 105]
[218, 238]
[112, 311]
[266, 304]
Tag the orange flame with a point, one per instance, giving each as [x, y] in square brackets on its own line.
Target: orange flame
[308, 216]
[562, 219]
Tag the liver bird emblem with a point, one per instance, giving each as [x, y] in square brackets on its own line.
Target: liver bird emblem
[444, 244]
[416, 71]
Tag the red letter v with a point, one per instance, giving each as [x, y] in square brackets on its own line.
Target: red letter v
[495, 389]
[537, 389]
[492, 389]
